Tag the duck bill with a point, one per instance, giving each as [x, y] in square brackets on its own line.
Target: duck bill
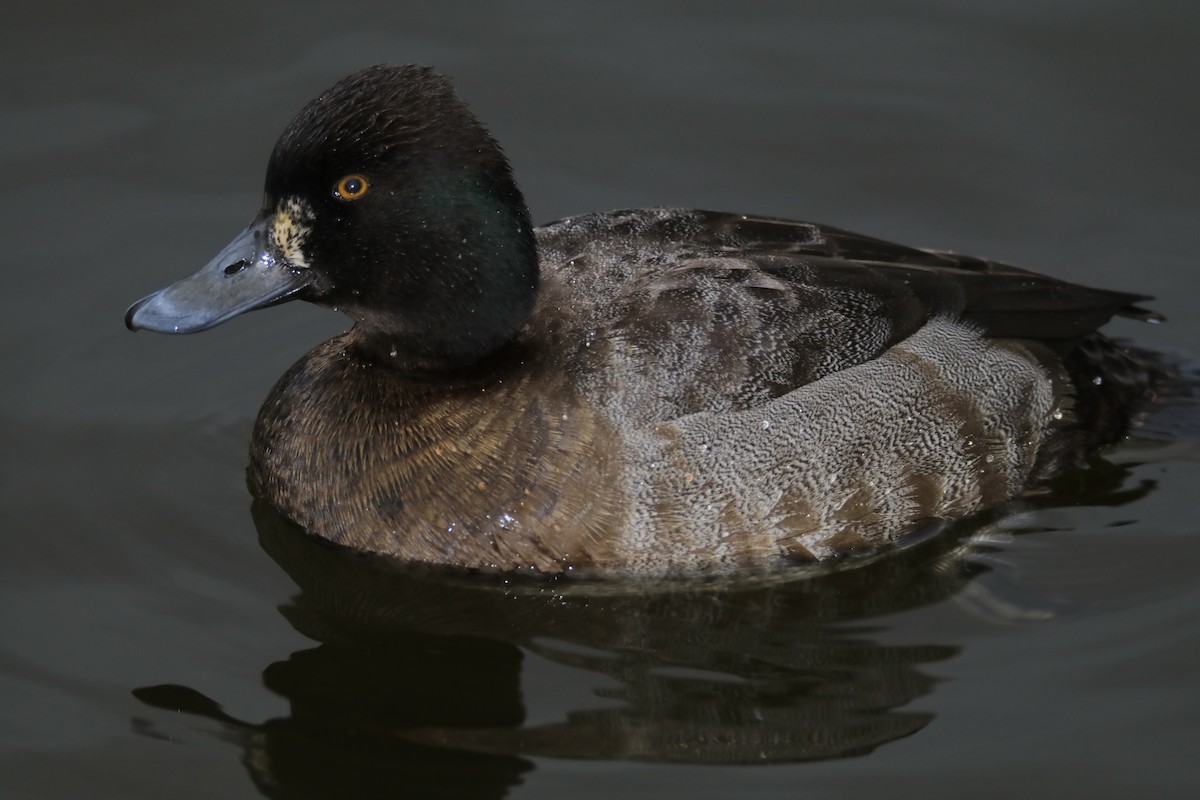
[246, 275]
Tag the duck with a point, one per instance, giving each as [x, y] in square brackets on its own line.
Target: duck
[649, 392]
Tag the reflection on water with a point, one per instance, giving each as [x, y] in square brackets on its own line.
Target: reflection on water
[351, 705]
[416, 679]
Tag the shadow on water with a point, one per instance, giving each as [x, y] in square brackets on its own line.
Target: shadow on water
[417, 677]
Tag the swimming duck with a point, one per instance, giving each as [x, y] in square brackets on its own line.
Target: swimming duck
[648, 392]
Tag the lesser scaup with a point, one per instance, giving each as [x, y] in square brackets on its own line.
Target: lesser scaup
[652, 391]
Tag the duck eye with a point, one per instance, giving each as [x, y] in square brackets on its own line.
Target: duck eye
[351, 187]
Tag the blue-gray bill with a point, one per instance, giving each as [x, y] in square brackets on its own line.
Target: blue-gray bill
[246, 275]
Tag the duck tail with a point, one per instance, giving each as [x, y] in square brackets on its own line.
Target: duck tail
[1115, 389]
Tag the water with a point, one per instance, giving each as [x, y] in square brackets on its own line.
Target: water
[159, 637]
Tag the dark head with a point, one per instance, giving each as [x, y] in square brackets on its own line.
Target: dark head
[385, 199]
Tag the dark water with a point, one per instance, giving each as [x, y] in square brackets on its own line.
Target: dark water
[157, 638]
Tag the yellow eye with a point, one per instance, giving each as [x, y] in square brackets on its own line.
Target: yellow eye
[351, 187]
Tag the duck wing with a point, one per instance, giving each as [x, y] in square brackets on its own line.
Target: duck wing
[1003, 300]
[664, 312]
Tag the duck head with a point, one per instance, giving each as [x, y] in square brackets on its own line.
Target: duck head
[385, 199]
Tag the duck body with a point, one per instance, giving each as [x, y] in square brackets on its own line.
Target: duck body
[651, 392]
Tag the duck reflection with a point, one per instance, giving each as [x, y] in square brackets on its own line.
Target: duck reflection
[418, 675]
